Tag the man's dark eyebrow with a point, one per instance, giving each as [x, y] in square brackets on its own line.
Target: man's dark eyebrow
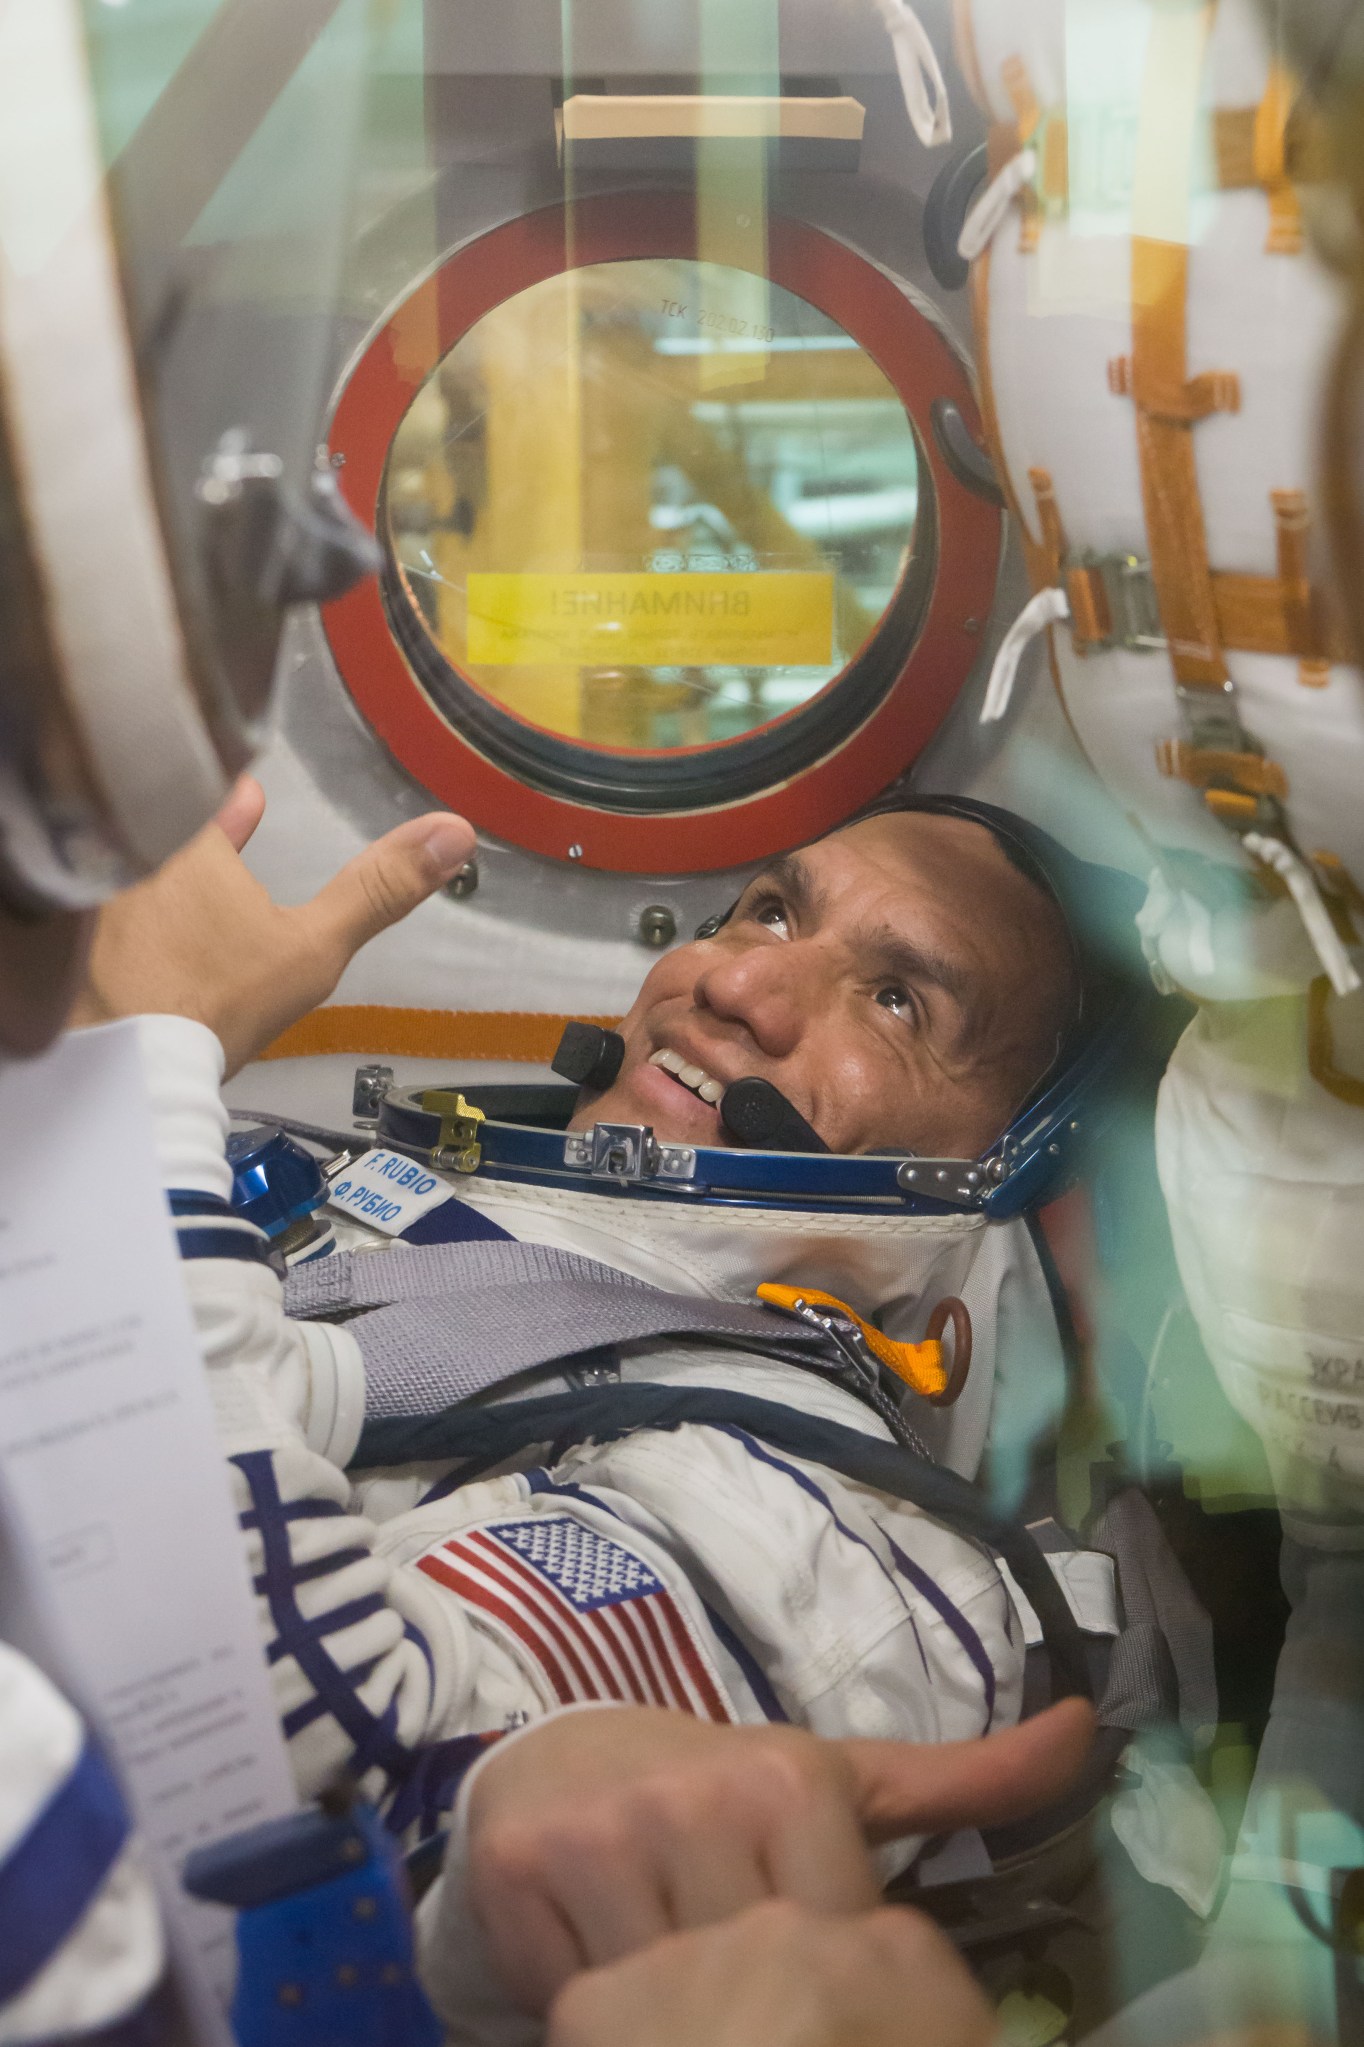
[887, 952]
[789, 876]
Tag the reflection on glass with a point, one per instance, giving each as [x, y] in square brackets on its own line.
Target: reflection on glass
[647, 505]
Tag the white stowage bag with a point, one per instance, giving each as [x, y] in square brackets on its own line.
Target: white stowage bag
[1128, 113]
[1263, 1175]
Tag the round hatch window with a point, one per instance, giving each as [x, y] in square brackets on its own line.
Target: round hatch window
[658, 531]
[678, 565]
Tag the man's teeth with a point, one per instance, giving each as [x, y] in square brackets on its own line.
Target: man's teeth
[694, 1077]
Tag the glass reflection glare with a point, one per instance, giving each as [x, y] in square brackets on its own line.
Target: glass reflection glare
[654, 504]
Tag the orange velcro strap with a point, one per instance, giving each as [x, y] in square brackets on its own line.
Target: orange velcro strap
[1167, 404]
[1276, 146]
[426, 1033]
[1182, 404]
[1001, 146]
[1053, 168]
[1052, 142]
[1309, 631]
[1271, 164]
[1253, 145]
[1236, 811]
[1321, 1050]
[964, 49]
[1028, 110]
[1049, 519]
[1255, 615]
[1339, 882]
[1091, 621]
[1024, 101]
[1202, 767]
[919, 1365]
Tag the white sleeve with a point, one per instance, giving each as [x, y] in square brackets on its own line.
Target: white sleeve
[373, 1665]
[82, 1946]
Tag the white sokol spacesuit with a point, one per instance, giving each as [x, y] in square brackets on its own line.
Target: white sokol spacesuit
[765, 1587]
[695, 1568]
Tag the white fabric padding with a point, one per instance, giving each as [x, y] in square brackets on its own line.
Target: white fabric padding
[1263, 1175]
[1169, 1827]
[1059, 314]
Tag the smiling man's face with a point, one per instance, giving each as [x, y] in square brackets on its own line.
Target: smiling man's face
[901, 982]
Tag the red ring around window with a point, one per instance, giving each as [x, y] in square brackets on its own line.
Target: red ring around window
[911, 354]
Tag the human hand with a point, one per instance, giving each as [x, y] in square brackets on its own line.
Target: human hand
[784, 1976]
[601, 1832]
[202, 938]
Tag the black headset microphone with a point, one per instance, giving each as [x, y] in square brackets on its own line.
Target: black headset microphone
[756, 1114]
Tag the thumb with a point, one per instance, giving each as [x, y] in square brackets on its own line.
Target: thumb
[242, 810]
[382, 885]
[900, 1788]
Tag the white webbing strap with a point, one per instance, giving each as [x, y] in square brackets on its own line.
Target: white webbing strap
[983, 222]
[921, 79]
[1297, 877]
[1048, 607]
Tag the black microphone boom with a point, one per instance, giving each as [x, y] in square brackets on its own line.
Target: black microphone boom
[589, 1055]
[758, 1116]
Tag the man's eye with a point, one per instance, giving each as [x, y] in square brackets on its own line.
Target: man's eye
[896, 999]
[773, 915]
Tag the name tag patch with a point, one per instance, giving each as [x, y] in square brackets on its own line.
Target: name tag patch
[387, 1191]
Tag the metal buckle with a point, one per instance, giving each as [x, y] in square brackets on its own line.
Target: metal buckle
[1130, 593]
[846, 1338]
[458, 1148]
[952, 1179]
[1212, 719]
[628, 1151]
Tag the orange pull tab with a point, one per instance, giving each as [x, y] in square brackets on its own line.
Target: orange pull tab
[920, 1365]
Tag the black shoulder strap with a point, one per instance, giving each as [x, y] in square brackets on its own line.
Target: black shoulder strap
[481, 1438]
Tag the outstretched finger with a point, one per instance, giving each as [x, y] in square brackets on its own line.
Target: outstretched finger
[905, 1789]
[386, 882]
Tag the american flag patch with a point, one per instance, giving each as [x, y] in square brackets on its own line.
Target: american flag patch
[596, 1619]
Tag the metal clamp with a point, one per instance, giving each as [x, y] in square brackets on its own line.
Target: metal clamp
[952, 1179]
[458, 1149]
[1212, 717]
[629, 1152]
[857, 1365]
[1129, 590]
[369, 1091]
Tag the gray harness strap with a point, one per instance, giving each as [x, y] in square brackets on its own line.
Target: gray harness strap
[438, 1323]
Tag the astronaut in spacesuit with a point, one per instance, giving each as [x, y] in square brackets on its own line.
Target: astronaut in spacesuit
[409, 1619]
[202, 942]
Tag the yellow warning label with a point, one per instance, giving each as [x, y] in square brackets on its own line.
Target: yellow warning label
[781, 619]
